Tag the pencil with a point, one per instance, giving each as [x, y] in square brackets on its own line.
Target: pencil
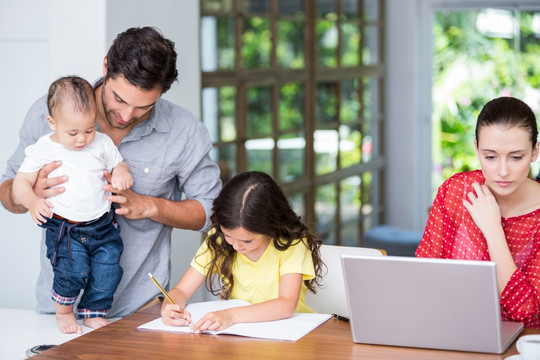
[161, 289]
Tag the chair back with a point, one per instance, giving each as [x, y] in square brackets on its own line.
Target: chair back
[330, 297]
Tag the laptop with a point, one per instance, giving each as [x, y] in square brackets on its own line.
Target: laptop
[426, 303]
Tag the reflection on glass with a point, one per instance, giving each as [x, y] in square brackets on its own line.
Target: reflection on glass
[349, 146]
[291, 107]
[326, 107]
[326, 148]
[256, 43]
[326, 33]
[259, 155]
[291, 157]
[325, 211]
[255, 6]
[227, 122]
[350, 9]
[350, 54]
[217, 43]
[259, 119]
[225, 157]
[217, 5]
[290, 44]
[350, 104]
[370, 52]
[370, 97]
[367, 193]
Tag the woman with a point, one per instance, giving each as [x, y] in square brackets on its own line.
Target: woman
[494, 213]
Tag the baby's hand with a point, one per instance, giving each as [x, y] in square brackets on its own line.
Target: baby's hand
[175, 315]
[40, 210]
[121, 180]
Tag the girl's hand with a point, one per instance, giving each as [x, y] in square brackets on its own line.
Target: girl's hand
[218, 320]
[483, 207]
[175, 315]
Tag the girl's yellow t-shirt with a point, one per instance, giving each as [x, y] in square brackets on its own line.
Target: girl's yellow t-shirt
[258, 281]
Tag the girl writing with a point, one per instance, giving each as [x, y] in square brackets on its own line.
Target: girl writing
[258, 251]
[494, 213]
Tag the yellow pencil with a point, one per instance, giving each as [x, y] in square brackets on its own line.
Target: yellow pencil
[161, 288]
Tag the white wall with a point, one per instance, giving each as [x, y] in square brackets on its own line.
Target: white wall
[42, 40]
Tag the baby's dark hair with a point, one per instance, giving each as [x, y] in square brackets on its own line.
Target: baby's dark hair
[71, 90]
[510, 112]
[254, 201]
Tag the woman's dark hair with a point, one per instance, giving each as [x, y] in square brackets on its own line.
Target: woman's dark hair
[508, 111]
[144, 57]
[71, 90]
[254, 201]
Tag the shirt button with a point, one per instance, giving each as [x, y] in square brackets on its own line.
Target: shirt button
[146, 170]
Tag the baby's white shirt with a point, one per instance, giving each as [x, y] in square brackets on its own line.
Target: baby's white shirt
[84, 198]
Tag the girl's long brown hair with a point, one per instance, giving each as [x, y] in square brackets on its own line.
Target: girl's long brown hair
[254, 201]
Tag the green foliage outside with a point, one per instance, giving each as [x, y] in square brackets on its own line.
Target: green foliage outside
[471, 68]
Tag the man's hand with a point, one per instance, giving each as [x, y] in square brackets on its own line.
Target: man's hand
[43, 186]
[132, 205]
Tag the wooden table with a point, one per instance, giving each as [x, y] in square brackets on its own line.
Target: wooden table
[332, 340]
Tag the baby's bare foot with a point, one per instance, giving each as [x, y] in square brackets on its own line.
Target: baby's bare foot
[96, 322]
[68, 324]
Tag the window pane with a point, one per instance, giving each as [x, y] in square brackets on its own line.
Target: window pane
[210, 112]
[350, 103]
[350, 210]
[259, 155]
[218, 113]
[259, 119]
[217, 5]
[297, 203]
[225, 157]
[325, 212]
[367, 200]
[371, 9]
[370, 52]
[350, 9]
[326, 107]
[371, 98]
[217, 43]
[349, 145]
[290, 46]
[255, 6]
[325, 7]
[291, 107]
[350, 53]
[326, 33]
[290, 7]
[326, 148]
[256, 43]
[291, 157]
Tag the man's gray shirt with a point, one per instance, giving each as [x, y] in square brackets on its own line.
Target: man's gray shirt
[168, 155]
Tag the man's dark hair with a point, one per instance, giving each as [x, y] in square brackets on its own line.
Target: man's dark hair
[144, 57]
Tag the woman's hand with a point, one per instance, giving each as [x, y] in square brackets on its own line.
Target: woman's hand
[175, 315]
[483, 208]
[217, 320]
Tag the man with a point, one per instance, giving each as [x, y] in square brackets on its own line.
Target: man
[167, 149]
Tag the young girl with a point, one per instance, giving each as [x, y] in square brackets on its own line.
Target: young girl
[258, 251]
[494, 213]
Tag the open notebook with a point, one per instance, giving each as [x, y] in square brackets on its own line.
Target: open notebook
[291, 329]
[428, 303]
